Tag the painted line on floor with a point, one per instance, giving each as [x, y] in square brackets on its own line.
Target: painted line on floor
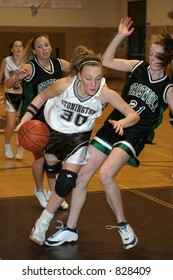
[162, 202]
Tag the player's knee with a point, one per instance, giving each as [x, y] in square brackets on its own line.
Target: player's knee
[52, 169]
[83, 178]
[65, 182]
[105, 178]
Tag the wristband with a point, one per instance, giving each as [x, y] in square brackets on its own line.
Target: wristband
[32, 109]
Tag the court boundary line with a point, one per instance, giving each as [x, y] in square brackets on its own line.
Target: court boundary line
[150, 197]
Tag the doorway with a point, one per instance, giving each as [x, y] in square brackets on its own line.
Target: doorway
[137, 11]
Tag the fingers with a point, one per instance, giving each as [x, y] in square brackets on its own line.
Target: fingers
[128, 21]
[117, 125]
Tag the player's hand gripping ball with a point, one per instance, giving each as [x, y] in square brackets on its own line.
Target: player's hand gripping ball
[33, 135]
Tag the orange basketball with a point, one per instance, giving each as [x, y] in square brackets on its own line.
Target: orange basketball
[33, 135]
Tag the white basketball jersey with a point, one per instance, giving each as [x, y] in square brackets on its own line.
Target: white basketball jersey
[70, 113]
[10, 69]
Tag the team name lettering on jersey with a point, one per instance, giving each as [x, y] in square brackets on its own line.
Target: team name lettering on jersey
[44, 85]
[145, 94]
[78, 108]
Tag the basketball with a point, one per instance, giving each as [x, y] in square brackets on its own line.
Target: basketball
[33, 135]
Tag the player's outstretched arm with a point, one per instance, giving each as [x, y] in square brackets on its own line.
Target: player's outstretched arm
[125, 29]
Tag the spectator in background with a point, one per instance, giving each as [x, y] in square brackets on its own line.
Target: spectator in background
[13, 96]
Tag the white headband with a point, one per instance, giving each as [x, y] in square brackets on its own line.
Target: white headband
[90, 61]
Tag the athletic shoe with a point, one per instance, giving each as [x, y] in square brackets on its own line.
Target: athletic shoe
[38, 233]
[42, 197]
[19, 153]
[128, 237]
[64, 204]
[64, 234]
[8, 151]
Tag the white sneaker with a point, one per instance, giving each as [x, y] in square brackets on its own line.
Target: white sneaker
[19, 153]
[128, 237]
[8, 151]
[42, 197]
[64, 204]
[64, 234]
[38, 233]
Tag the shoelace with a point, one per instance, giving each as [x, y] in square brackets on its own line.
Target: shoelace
[120, 228]
[59, 227]
[110, 226]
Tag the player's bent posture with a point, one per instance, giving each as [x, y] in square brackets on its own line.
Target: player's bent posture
[73, 105]
[149, 91]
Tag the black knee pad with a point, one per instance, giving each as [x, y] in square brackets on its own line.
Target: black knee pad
[65, 182]
[52, 169]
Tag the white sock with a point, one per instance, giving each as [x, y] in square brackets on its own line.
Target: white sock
[46, 215]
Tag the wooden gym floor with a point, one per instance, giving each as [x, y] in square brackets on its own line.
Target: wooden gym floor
[147, 194]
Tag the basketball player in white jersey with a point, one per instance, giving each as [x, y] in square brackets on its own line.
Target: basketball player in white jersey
[73, 105]
[150, 91]
[13, 97]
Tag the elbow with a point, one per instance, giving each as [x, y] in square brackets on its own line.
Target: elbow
[105, 62]
[108, 62]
